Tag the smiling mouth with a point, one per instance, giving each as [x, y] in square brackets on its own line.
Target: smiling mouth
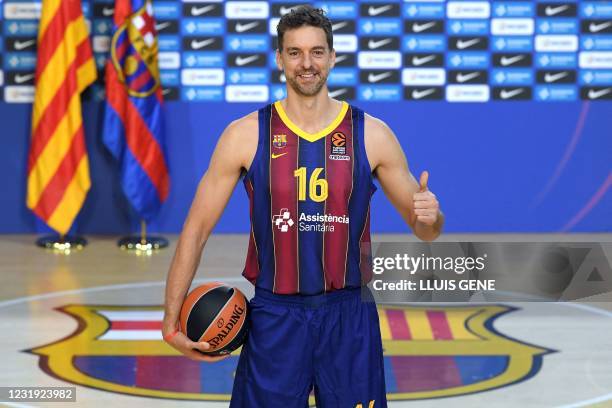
[307, 76]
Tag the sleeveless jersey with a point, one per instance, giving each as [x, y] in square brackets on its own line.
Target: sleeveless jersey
[309, 205]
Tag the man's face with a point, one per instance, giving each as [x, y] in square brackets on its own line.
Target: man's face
[306, 59]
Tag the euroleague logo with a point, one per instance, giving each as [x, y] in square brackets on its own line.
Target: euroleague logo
[338, 147]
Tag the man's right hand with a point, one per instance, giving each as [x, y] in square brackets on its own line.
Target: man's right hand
[187, 347]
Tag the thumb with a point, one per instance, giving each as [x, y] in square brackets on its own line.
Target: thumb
[423, 181]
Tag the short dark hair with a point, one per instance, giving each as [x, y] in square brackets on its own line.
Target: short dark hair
[304, 15]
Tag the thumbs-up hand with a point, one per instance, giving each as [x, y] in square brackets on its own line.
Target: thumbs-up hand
[426, 206]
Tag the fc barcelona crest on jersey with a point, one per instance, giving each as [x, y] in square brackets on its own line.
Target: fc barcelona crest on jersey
[279, 141]
[429, 351]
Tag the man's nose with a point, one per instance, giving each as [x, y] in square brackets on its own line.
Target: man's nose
[306, 62]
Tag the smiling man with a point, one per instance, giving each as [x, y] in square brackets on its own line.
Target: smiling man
[308, 163]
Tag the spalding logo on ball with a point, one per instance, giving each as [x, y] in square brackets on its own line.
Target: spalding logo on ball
[217, 314]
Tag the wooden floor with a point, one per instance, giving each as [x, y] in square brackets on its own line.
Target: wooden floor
[43, 293]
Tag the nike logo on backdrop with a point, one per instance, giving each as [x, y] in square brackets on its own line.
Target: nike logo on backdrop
[377, 44]
[551, 11]
[247, 60]
[198, 11]
[241, 28]
[509, 61]
[374, 11]
[465, 44]
[196, 45]
[417, 28]
[378, 77]
[509, 94]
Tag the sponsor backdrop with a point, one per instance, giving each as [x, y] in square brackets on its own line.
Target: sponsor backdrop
[507, 103]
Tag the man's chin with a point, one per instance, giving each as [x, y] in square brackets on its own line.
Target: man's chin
[310, 91]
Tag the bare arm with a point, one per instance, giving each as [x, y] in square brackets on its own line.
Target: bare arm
[234, 150]
[418, 206]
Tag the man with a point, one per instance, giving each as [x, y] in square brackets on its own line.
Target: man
[308, 163]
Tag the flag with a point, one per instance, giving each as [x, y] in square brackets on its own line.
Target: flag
[58, 167]
[133, 117]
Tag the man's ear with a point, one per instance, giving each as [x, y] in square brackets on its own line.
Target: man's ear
[279, 62]
[333, 58]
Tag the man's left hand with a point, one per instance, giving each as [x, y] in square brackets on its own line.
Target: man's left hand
[426, 206]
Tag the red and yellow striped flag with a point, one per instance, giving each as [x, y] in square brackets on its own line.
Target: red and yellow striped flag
[58, 168]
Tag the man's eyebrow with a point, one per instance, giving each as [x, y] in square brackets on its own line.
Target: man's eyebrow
[318, 47]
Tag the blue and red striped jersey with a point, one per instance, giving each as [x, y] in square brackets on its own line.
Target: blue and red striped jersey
[309, 205]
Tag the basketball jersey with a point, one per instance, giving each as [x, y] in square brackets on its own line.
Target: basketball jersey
[309, 205]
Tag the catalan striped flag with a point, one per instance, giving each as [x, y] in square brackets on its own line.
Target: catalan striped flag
[133, 118]
[58, 167]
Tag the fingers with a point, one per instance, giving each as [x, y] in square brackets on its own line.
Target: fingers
[426, 206]
[424, 200]
[423, 181]
[427, 219]
[198, 356]
[202, 346]
[194, 350]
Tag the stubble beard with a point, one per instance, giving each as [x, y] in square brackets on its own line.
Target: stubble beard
[310, 89]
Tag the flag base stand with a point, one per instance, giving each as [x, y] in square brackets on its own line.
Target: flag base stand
[144, 244]
[62, 244]
[140, 246]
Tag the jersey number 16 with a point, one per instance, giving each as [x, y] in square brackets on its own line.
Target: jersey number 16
[317, 189]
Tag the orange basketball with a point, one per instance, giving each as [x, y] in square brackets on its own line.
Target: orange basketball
[217, 314]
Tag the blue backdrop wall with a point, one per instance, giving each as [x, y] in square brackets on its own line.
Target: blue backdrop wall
[519, 167]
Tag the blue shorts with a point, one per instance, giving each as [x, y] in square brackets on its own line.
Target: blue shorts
[330, 343]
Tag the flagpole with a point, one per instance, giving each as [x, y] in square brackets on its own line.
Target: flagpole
[143, 232]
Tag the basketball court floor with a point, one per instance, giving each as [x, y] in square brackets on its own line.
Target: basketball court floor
[92, 320]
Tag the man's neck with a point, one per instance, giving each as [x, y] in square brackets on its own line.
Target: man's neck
[311, 114]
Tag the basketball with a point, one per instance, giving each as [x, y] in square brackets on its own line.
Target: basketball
[217, 314]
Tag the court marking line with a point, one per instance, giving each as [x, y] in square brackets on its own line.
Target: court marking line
[94, 289]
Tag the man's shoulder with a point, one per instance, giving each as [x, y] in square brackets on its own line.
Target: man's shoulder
[245, 125]
[375, 128]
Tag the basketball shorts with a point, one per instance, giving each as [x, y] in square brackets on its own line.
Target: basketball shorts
[328, 343]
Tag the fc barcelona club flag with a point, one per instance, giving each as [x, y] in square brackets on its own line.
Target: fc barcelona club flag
[133, 118]
[58, 167]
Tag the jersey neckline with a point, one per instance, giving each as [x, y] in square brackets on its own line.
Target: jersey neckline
[311, 137]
